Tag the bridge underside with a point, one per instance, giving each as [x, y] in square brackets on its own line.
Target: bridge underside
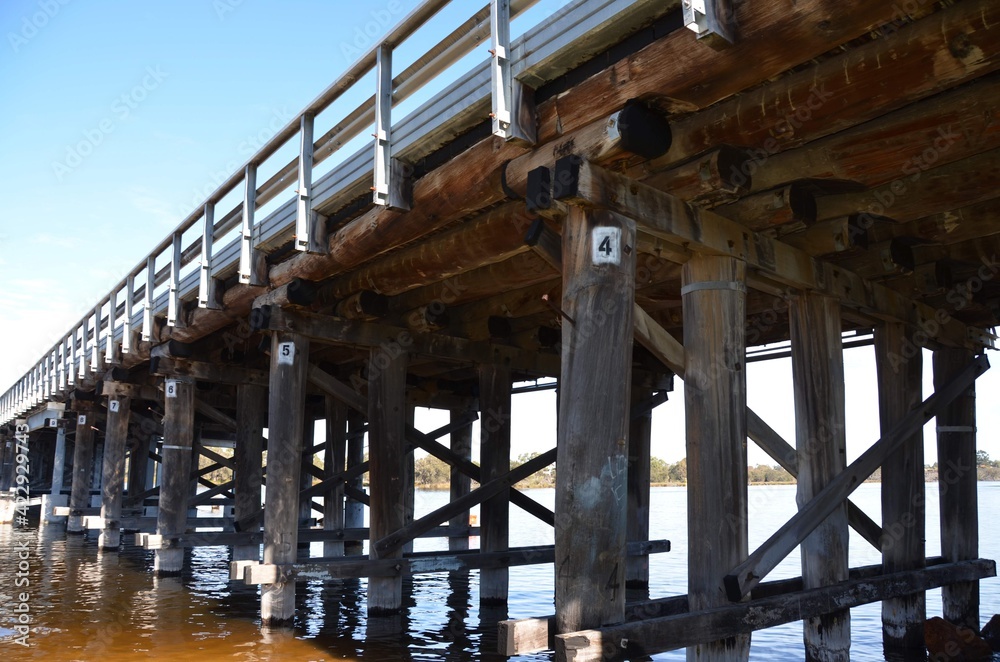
[832, 170]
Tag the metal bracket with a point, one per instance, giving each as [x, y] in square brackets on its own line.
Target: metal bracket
[390, 178]
[147, 300]
[174, 295]
[500, 74]
[207, 286]
[251, 269]
[310, 228]
[711, 20]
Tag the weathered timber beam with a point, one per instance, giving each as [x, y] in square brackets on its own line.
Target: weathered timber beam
[765, 558]
[331, 330]
[296, 292]
[207, 496]
[660, 213]
[238, 538]
[946, 49]
[420, 562]
[494, 236]
[955, 225]
[530, 635]
[954, 125]
[937, 190]
[210, 412]
[208, 372]
[395, 540]
[647, 637]
[782, 452]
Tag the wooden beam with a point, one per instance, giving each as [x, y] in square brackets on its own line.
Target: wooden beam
[212, 413]
[285, 422]
[714, 300]
[956, 449]
[387, 545]
[909, 64]
[494, 454]
[493, 236]
[217, 373]
[389, 340]
[899, 370]
[387, 448]
[175, 469]
[821, 442]
[663, 215]
[765, 558]
[648, 637]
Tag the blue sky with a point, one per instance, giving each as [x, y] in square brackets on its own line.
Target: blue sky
[119, 117]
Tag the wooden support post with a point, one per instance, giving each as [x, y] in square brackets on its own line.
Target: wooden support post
[494, 456]
[637, 529]
[285, 422]
[821, 442]
[714, 299]
[175, 470]
[306, 475]
[594, 386]
[409, 480]
[899, 364]
[83, 464]
[354, 510]
[58, 470]
[461, 445]
[956, 450]
[251, 409]
[113, 487]
[334, 463]
[138, 465]
[386, 450]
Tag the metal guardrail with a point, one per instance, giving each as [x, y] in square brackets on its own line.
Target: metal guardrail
[556, 44]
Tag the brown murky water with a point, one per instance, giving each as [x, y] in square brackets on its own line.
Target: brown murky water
[84, 604]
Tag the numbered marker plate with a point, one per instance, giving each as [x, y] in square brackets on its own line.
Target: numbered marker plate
[113, 406]
[81, 419]
[286, 353]
[606, 246]
[171, 388]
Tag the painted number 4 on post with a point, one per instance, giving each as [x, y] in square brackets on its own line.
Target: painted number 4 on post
[606, 245]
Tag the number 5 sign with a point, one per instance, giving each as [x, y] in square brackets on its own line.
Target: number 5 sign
[606, 245]
[286, 353]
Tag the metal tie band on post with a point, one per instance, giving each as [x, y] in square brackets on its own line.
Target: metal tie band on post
[714, 285]
[956, 428]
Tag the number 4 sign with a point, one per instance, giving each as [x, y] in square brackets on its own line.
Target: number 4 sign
[606, 245]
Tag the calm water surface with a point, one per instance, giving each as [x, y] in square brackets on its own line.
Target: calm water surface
[91, 605]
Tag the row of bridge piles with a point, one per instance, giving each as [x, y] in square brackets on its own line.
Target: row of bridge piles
[603, 440]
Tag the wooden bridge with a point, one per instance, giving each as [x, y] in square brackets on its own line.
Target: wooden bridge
[629, 191]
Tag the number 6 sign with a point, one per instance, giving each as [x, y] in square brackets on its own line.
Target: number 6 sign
[171, 388]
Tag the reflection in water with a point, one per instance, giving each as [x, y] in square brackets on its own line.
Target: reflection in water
[90, 605]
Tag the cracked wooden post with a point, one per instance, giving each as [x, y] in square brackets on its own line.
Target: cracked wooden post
[956, 448]
[251, 410]
[494, 455]
[334, 463]
[639, 434]
[714, 300]
[595, 384]
[138, 465]
[461, 445]
[386, 452]
[821, 442]
[286, 413]
[113, 484]
[175, 470]
[83, 464]
[354, 510]
[899, 365]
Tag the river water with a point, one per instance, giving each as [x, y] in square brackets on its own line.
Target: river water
[90, 605]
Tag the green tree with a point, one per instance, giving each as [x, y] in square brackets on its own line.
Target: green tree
[429, 471]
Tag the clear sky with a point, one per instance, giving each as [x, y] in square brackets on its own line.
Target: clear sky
[119, 117]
